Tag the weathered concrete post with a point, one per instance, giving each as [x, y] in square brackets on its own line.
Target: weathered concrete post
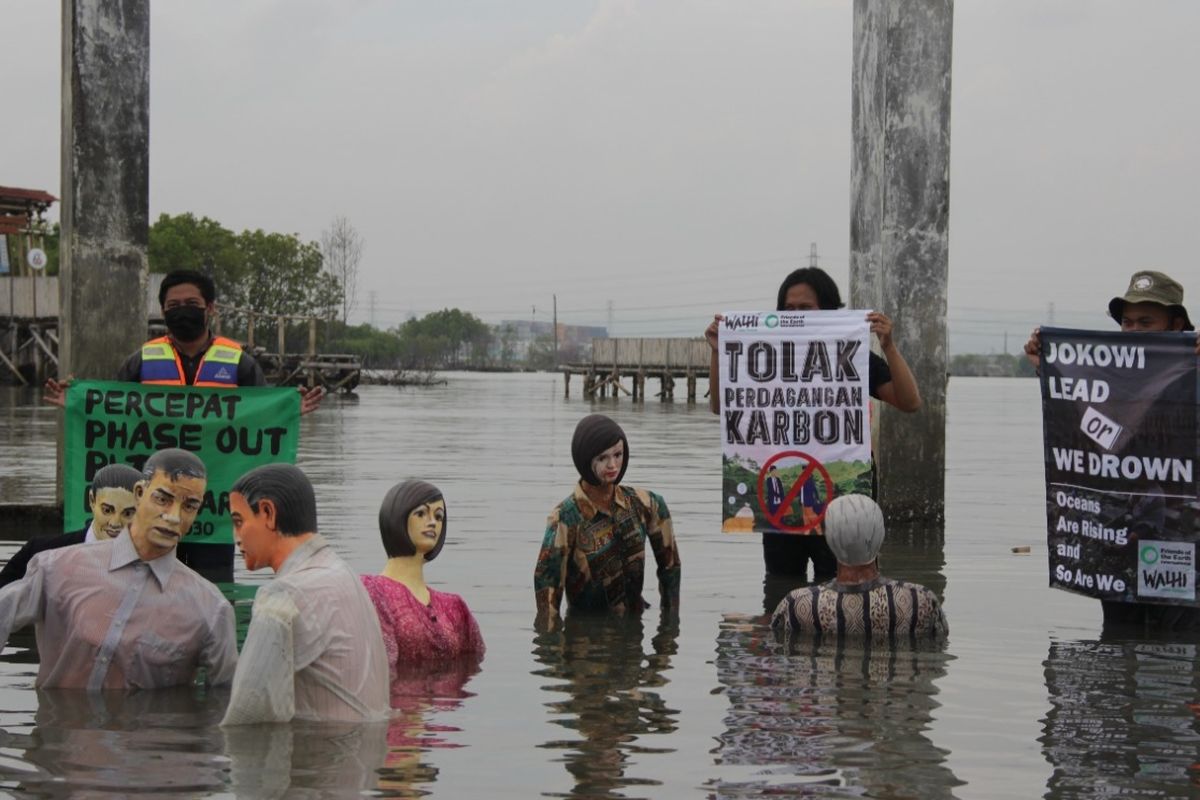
[899, 225]
[105, 184]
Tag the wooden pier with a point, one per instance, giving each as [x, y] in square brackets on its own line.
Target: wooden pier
[667, 360]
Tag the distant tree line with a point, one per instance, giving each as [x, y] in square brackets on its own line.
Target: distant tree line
[446, 339]
[998, 365]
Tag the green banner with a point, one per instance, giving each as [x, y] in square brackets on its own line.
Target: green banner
[231, 430]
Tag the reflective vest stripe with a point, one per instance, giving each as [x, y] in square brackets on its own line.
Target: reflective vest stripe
[161, 365]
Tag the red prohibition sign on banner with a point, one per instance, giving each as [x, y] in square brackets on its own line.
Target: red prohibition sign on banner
[776, 519]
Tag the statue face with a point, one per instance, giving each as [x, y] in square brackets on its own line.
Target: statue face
[166, 509]
[252, 533]
[112, 509]
[425, 525]
[607, 466]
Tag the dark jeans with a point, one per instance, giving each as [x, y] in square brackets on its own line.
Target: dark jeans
[1149, 617]
[789, 554]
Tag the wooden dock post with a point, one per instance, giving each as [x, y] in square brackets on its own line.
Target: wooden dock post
[639, 359]
[899, 226]
[567, 385]
[691, 385]
[312, 351]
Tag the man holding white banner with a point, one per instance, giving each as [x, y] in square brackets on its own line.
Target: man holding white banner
[794, 408]
[791, 529]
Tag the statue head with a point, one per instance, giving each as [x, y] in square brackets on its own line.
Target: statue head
[169, 496]
[111, 499]
[854, 529]
[600, 450]
[412, 520]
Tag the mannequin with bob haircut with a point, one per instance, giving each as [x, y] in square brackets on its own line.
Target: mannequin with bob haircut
[419, 623]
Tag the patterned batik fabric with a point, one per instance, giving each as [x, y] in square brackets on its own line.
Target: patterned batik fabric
[879, 609]
[597, 557]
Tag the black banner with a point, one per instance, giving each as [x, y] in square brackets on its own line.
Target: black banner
[1119, 419]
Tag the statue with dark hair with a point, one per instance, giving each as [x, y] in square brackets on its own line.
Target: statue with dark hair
[174, 463]
[115, 476]
[313, 650]
[112, 502]
[291, 492]
[594, 548]
[107, 610]
[419, 624]
[400, 501]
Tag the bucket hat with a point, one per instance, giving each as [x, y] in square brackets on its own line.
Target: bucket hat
[1148, 286]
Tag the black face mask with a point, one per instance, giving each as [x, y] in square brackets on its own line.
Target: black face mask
[186, 323]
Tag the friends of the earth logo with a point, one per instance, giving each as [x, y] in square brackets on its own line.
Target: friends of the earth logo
[735, 322]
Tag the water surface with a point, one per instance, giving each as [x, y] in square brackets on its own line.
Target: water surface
[1027, 699]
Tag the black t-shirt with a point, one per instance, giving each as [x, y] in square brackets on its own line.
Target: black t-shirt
[878, 373]
[249, 373]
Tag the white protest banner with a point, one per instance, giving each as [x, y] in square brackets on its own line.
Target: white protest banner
[795, 418]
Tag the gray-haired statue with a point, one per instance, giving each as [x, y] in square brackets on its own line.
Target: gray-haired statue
[860, 602]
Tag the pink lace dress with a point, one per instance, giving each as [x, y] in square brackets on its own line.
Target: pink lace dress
[413, 632]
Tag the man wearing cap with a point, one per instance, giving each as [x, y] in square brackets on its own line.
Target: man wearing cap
[1153, 303]
[594, 548]
[860, 602]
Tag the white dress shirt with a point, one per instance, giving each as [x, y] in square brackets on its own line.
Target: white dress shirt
[314, 650]
[105, 619]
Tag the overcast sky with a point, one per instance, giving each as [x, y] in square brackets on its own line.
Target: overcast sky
[674, 157]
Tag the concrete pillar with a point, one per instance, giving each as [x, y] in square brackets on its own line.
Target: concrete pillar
[105, 183]
[899, 226]
[105, 211]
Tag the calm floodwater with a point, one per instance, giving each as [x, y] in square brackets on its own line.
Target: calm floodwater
[1028, 699]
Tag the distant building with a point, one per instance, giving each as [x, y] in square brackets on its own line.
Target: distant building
[516, 340]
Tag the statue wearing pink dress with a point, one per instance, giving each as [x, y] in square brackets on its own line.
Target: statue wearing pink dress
[419, 624]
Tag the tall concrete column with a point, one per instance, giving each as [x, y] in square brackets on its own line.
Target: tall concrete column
[105, 184]
[105, 209]
[899, 226]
